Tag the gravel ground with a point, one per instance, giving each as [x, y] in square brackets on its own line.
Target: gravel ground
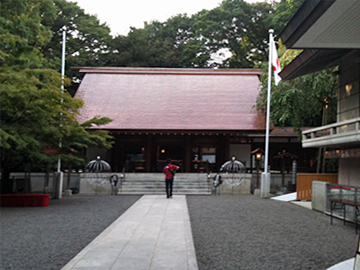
[230, 232]
[246, 232]
[48, 237]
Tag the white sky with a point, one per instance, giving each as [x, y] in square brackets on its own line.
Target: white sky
[119, 15]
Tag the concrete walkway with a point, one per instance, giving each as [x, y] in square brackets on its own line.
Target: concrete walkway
[154, 233]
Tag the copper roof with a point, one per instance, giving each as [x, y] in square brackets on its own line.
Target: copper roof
[257, 150]
[285, 155]
[172, 99]
[286, 132]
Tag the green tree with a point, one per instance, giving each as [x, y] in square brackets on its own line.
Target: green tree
[32, 116]
[30, 113]
[22, 32]
[170, 44]
[87, 41]
[305, 101]
[237, 26]
[78, 138]
[182, 41]
[283, 11]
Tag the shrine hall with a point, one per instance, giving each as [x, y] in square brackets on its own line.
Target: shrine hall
[199, 118]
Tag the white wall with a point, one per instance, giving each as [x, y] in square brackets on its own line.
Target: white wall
[349, 171]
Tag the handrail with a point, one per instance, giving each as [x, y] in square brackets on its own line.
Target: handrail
[331, 131]
[352, 192]
[333, 125]
[345, 198]
[344, 186]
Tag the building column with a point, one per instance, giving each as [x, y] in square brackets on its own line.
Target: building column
[148, 153]
[227, 147]
[116, 150]
[223, 150]
[188, 152]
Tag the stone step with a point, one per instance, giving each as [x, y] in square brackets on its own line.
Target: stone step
[163, 180]
[161, 177]
[157, 186]
[157, 192]
[163, 184]
[162, 188]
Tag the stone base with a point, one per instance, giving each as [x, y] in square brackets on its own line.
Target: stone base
[243, 188]
[67, 192]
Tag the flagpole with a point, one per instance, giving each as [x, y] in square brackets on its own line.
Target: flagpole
[62, 88]
[59, 175]
[265, 176]
[271, 31]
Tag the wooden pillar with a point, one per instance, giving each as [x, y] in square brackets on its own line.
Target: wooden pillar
[227, 147]
[115, 155]
[148, 153]
[223, 151]
[188, 152]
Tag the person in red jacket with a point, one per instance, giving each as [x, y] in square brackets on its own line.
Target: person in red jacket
[169, 171]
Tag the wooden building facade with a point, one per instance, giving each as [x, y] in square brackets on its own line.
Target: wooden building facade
[198, 117]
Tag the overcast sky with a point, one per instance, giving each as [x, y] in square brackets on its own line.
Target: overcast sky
[119, 15]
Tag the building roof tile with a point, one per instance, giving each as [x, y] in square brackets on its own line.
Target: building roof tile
[172, 99]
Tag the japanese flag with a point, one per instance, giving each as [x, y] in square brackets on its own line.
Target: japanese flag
[275, 62]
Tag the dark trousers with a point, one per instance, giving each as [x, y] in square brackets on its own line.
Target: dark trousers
[169, 186]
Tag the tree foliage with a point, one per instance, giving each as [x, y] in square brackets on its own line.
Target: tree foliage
[34, 111]
[237, 26]
[182, 41]
[171, 44]
[87, 41]
[305, 101]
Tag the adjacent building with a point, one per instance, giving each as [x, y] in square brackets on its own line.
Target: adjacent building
[329, 34]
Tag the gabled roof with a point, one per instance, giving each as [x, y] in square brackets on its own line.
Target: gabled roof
[310, 61]
[172, 99]
[284, 132]
[286, 155]
[324, 24]
[328, 30]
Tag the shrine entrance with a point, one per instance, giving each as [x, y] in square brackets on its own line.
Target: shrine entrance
[148, 152]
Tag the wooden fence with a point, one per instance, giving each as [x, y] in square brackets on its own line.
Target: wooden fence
[304, 183]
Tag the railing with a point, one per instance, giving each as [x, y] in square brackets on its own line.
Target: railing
[304, 183]
[342, 192]
[343, 202]
[335, 133]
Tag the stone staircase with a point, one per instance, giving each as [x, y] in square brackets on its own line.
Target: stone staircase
[154, 183]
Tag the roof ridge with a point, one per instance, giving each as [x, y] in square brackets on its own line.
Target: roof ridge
[168, 71]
